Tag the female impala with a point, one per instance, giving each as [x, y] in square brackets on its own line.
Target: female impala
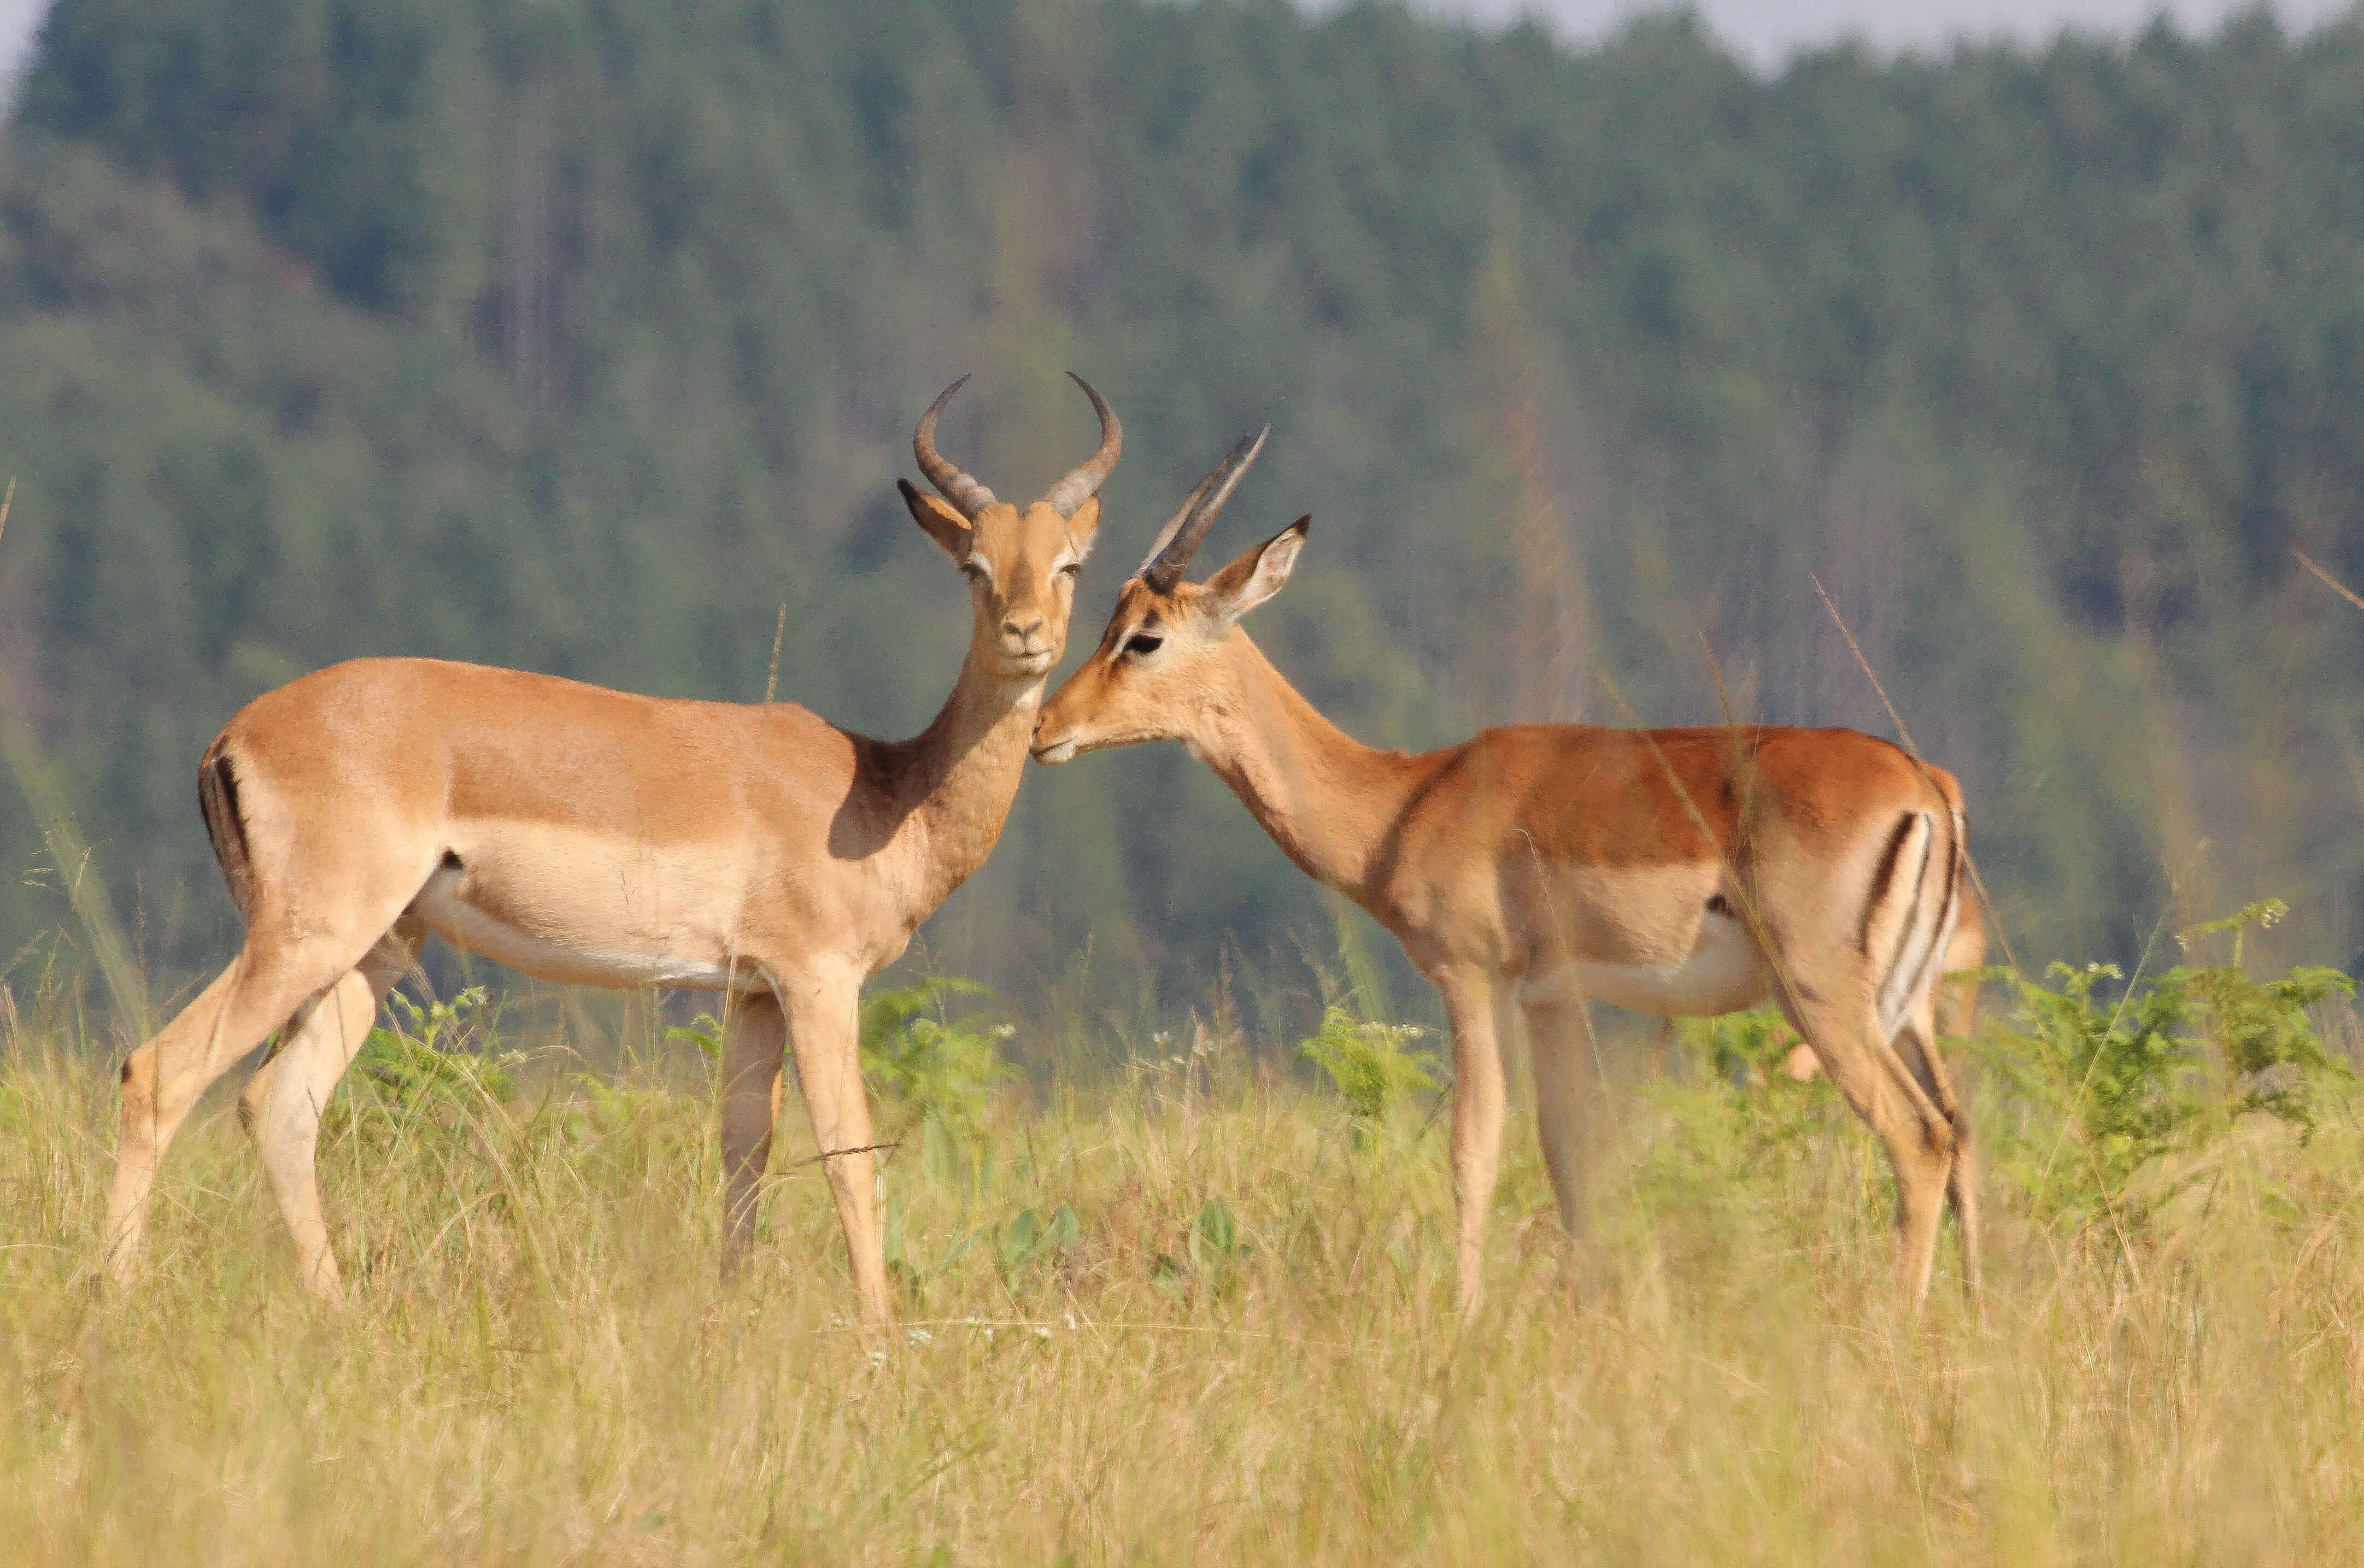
[1674, 872]
[590, 836]
[1957, 999]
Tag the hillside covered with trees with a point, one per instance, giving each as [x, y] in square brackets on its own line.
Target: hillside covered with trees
[584, 336]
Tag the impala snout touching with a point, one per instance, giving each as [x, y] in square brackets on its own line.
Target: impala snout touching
[1533, 870]
[603, 839]
[1147, 679]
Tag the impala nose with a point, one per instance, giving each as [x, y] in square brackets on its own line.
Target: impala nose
[1021, 633]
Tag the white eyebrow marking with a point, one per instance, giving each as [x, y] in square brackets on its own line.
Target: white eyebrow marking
[1116, 650]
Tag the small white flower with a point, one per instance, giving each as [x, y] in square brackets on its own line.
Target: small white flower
[1042, 1333]
[919, 1336]
[1071, 1322]
[878, 1358]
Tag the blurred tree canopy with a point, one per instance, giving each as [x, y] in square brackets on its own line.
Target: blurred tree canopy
[584, 336]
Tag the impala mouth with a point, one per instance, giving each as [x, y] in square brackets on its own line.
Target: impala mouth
[1036, 664]
[1054, 752]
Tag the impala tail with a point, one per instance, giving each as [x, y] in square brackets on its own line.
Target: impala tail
[218, 800]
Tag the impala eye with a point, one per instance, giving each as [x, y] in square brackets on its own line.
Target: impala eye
[1071, 569]
[1145, 643]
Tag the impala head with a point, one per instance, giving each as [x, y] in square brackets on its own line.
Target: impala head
[1020, 565]
[1159, 666]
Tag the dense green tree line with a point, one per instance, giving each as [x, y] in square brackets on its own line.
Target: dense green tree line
[587, 337]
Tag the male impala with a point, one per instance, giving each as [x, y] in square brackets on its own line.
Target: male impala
[1682, 871]
[590, 836]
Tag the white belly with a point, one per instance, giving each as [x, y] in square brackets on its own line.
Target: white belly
[617, 960]
[1719, 976]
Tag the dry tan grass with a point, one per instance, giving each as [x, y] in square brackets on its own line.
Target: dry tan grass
[541, 1367]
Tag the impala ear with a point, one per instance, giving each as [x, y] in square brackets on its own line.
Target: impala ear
[1086, 523]
[947, 528]
[1256, 576]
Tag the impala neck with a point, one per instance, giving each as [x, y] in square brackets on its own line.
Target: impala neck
[1329, 801]
[955, 780]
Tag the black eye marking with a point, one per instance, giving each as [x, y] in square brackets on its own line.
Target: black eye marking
[1142, 643]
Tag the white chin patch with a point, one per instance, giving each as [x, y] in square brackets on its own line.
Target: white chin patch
[1056, 754]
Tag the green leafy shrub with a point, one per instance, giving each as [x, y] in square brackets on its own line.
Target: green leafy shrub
[2274, 1061]
[1735, 1119]
[2111, 1085]
[2107, 1091]
[1370, 1066]
[920, 1059]
[705, 1032]
[935, 1073]
[444, 1055]
[1745, 1049]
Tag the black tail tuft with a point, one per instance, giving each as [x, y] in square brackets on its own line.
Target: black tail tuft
[217, 800]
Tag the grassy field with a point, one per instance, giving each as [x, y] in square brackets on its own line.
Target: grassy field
[1192, 1313]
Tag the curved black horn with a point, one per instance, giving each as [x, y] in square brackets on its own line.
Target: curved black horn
[1069, 493]
[1181, 537]
[958, 488]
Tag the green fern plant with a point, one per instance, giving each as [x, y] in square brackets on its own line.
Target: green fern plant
[937, 1074]
[1371, 1066]
[2109, 1090]
[440, 1055]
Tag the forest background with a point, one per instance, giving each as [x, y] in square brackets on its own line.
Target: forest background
[587, 337]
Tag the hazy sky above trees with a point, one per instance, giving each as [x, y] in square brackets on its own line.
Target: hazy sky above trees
[1766, 30]
[17, 19]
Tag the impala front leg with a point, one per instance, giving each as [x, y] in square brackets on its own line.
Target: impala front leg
[753, 1043]
[823, 1013]
[1478, 1110]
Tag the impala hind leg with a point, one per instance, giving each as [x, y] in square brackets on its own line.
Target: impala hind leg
[823, 1030]
[164, 1079]
[1962, 1193]
[1477, 1111]
[284, 1102]
[1567, 1099]
[1919, 1139]
[1917, 1044]
[753, 1043]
